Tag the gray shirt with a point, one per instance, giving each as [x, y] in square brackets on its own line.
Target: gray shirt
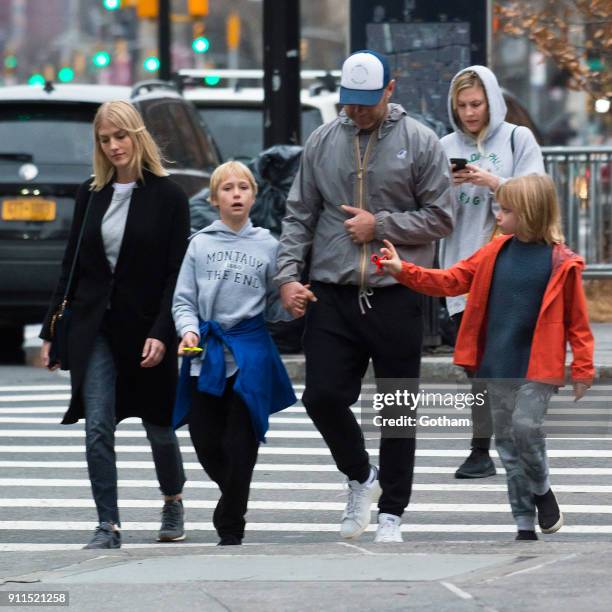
[113, 222]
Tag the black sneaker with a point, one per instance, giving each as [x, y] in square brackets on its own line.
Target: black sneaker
[173, 524]
[525, 534]
[105, 537]
[230, 540]
[550, 516]
[477, 465]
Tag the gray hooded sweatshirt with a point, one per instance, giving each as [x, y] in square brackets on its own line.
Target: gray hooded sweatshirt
[403, 179]
[226, 276]
[474, 206]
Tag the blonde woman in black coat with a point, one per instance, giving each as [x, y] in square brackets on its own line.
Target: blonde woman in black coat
[122, 342]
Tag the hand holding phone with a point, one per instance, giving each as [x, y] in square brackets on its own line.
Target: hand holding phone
[458, 163]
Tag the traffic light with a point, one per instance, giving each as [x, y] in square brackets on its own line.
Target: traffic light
[66, 74]
[151, 64]
[101, 59]
[233, 31]
[147, 9]
[10, 62]
[111, 5]
[197, 8]
[212, 80]
[36, 79]
[200, 44]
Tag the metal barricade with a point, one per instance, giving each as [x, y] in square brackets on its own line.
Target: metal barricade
[582, 176]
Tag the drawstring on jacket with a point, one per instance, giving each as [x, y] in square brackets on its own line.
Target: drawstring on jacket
[362, 298]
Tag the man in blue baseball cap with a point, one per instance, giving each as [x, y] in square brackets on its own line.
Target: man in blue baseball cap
[366, 88]
[372, 173]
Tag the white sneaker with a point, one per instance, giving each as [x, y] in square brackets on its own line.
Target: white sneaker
[356, 515]
[388, 528]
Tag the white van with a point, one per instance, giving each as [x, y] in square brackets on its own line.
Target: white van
[234, 115]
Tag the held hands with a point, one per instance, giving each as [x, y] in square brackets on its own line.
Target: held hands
[477, 176]
[361, 226]
[580, 389]
[390, 260]
[44, 356]
[190, 340]
[152, 353]
[295, 298]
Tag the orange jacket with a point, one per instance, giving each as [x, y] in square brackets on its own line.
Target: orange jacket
[563, 314]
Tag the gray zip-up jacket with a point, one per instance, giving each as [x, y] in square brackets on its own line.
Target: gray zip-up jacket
[403, 179]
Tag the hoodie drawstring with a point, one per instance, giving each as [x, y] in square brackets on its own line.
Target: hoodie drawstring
[362, 298]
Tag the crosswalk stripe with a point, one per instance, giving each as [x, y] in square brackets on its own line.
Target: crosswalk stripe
[285, 505]
[297, 450]
[470, 487]
[291, 527]
[22, 388]
[41, 397]
[282, 467]
[279, 420]
[134, 433]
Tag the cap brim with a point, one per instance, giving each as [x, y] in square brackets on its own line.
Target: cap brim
[363, 97]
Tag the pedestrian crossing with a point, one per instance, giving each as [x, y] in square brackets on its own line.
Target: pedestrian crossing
[297, 494]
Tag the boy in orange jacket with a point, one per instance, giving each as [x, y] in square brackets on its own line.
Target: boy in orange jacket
[525, 302]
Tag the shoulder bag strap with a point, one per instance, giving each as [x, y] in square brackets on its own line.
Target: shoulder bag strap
[77, 249]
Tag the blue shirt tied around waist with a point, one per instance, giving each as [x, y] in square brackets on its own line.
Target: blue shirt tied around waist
[262, 381]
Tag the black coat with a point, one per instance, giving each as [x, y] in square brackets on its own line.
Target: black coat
[139, 293]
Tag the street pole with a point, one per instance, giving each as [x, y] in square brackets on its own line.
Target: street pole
[164, 40]
[281, 35]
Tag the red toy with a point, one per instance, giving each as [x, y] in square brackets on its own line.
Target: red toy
[377, 261]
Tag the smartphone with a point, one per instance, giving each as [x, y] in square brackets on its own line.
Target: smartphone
[458, 163]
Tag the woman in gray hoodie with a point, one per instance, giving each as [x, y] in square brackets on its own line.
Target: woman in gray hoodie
[494, 151]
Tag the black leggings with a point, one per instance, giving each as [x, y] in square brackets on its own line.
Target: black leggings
[338, 343]
[226, 446]
[482, 422]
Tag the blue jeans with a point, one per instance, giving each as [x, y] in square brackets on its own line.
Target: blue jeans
[99, 400]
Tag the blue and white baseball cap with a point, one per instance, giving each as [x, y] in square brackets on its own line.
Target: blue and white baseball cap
[365, 74]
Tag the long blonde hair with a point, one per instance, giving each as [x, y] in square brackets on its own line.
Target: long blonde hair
[533, 199]
[465, 80]
[146, 153]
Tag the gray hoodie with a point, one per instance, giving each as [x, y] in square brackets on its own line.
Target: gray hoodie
[403, 180]
[226, 276]
[474, 205]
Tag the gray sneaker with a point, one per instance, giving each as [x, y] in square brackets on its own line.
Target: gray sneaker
[173, 523]
[105, 537]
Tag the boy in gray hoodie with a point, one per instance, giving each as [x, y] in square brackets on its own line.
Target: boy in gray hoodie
[232, 378]
[495, 151]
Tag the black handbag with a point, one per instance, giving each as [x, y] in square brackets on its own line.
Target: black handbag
[60, 321]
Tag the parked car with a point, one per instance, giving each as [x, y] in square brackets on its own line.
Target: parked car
[234, 115]
[45, 154]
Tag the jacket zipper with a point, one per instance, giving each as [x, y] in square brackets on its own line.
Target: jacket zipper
[362, 164]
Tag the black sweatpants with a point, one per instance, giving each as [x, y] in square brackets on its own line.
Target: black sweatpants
[338, 343]
[482, 421]
[224, 440]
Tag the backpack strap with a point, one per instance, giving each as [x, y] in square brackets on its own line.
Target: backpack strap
[512, 139]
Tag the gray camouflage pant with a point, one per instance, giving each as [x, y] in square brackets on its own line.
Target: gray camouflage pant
[518, 409]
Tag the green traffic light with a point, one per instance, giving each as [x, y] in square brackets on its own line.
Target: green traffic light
[212, 80]
[101, 59]
[151, 64]
[36, 79]
[10, 62]
[200, 44]
[111, 5]
[66, 74]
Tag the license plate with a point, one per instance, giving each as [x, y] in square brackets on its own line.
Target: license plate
[28, 209]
